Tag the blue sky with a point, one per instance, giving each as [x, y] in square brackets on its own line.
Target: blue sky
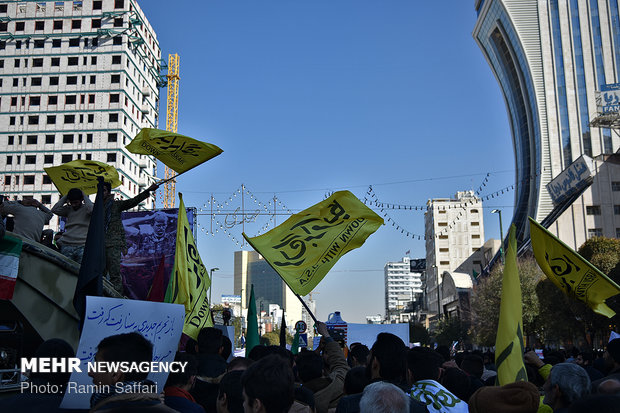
[311, 96]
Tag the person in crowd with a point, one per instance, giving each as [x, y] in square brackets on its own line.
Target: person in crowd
[268, 386]
[239, 363]
[47, 239]
[36, 401]
[457, 382]
[355, 381]
[178, 386]
[77, 209]
[382, 397]
[596, 403]
[226, 347]
[473, 365]
[211, 367]
[327, 389]
[567, 383]
[612, 363]
[517, 397]
[387, 362]
[29, 217]
[230, 395]
[116, 387]
[423, 368]
[585, 359]
[358, 355]
[609, 386]
[115, 243]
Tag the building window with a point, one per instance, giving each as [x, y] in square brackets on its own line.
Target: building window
[95, 42]
[72, 80]
[617, 209]
[46, 199]
[38, 62]
[89, 138]
[118, 22]
[14, 101]
[29, 180]
[7, 180]
[10, 140]
[52, 100]
[54, 81]
[97, 5]
[39, 25]
[112, 137]
[3, 8]
[114, 98]
[33, 120]
[117, 41]
[48, 159]
[91, 118]
[19, 26]
[111, 157]
[93, 60]
[76, 24]
[88, 157]
[56, 42]
[35, 100]
[615, 186]
[12, 120]
[30, 159]
[595, 232]
[50, 139]
[593, 210]
[39, 44]
[57, 25]
[74, 42]
[31, 140]
[93, 79]
[70, 99]
[9, 159]
[77, 5]
[96, 23]
[115, 79]
[67, 138]
[113, 117]
[119, 4]
[69, 118]
[72, 61]
[116, 60]
[91, 98]
[55, 61]
[66, 158]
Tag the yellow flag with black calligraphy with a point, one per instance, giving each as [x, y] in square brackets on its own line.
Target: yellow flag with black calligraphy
[82, 174]
[570, 272]
[189, 281]
[178, 152]
[308, 244]
[509, 340]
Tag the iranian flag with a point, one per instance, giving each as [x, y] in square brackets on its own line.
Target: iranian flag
[10, 249]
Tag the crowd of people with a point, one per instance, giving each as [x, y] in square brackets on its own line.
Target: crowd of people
[387, 377]
[28, 217]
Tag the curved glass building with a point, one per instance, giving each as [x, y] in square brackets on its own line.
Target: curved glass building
[550, 58]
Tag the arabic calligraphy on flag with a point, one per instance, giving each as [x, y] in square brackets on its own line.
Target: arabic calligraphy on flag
[82, 174]
[178, 152]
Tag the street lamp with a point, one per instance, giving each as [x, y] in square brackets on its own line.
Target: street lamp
[501, 233]
[211, 286]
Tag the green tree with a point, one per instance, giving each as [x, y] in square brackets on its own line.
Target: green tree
[486, 298]
[451, 329]
[273, 338]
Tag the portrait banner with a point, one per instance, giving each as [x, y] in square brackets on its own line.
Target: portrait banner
[308, 244]
[176, 151]
[83, 175]
[150, 236]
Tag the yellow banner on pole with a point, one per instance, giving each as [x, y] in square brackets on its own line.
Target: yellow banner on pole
[82, 174]
[178, 152]
[570, 272]
[189, 282]
[509, 339]
[308, 244]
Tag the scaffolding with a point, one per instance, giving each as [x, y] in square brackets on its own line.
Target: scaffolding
[172, 124]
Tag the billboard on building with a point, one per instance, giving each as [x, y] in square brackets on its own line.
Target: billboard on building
[576, 177]
[417, 265]
[608, 98]
[151, 236]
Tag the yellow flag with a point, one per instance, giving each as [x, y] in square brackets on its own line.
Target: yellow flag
[570, 272]
[509, 340]
[308, 244]
[83, 175]
[178, 152]
[189, 281]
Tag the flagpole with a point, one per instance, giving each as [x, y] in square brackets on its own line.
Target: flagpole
[163, 181]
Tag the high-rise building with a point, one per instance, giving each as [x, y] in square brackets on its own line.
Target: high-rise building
[403, 287]
[454, 231]
[550, 58]
[79, 79]
[269, 288]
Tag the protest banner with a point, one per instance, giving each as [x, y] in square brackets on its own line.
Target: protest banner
[160, 323]
[82, 174]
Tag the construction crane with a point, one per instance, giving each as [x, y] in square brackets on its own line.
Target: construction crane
[172, 123]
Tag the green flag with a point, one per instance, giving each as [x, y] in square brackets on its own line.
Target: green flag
[295, 345]
[251, 333]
